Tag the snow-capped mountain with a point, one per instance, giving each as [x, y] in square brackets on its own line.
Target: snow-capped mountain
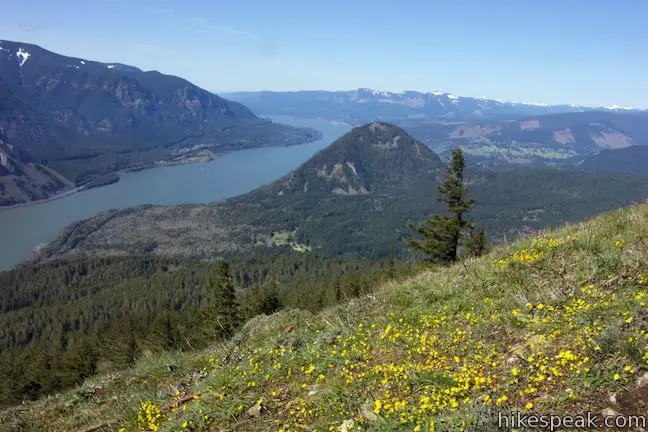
[78, 119]
[21, 53]
[367, 104]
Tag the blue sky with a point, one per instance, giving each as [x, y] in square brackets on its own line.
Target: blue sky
[591, 52]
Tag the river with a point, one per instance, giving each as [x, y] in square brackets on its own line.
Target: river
[23, 228]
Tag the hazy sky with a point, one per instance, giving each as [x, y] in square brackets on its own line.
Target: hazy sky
[591, 52]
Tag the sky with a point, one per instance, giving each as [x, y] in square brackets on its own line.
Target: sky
[588, 52]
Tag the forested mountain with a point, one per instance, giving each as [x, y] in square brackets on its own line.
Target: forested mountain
[370, 158]
[629, 159]
[23, 179]
[363, 105]
[84, 118]
[352, 199]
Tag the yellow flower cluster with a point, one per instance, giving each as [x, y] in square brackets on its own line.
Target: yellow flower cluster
[526, 256]
[149, 417]
[540, 247]
[414, 369]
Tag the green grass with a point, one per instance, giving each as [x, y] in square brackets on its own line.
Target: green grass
[520, 150]
[553, 324]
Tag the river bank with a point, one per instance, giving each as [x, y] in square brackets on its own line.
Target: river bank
[227, 175]
[114, 177]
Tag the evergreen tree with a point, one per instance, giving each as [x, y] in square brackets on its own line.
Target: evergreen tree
[168, 332]
[270, 301]
[477, 243]
[53, 340]
[261, 299]
[223, 308]
[79, 360]
[442, 234]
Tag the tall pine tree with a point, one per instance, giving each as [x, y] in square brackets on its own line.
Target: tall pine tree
[223, 310]
[442, 233]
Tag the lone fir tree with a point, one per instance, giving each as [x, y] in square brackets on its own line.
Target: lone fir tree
[223, 309]
[442, 233]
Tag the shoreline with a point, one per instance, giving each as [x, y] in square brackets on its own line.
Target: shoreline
[85, 186]
[45, 200]
[76, 190]
[158, 164]
[189, 160]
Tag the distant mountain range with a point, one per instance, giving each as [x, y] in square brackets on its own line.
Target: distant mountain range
[65, 121]
[352, 199]
[363, 105]
[491, 132]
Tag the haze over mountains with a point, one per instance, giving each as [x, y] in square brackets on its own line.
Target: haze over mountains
[491, 132]
[364, 104]
[65, 121]
[554, 139]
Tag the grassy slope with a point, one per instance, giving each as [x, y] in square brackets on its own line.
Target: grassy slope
[555, 324]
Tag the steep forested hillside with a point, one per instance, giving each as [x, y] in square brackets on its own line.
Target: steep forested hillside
[84, 118]
[64, 321]
[630, 160]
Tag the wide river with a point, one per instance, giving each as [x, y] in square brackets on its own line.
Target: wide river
[23, 228]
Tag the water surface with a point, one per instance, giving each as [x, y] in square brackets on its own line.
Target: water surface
[23, 228]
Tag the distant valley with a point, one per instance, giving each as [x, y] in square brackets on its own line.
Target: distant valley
[231, 174]
[491, 132]
[67, 121]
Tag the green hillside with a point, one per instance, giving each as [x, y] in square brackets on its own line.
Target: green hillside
[551, 324]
